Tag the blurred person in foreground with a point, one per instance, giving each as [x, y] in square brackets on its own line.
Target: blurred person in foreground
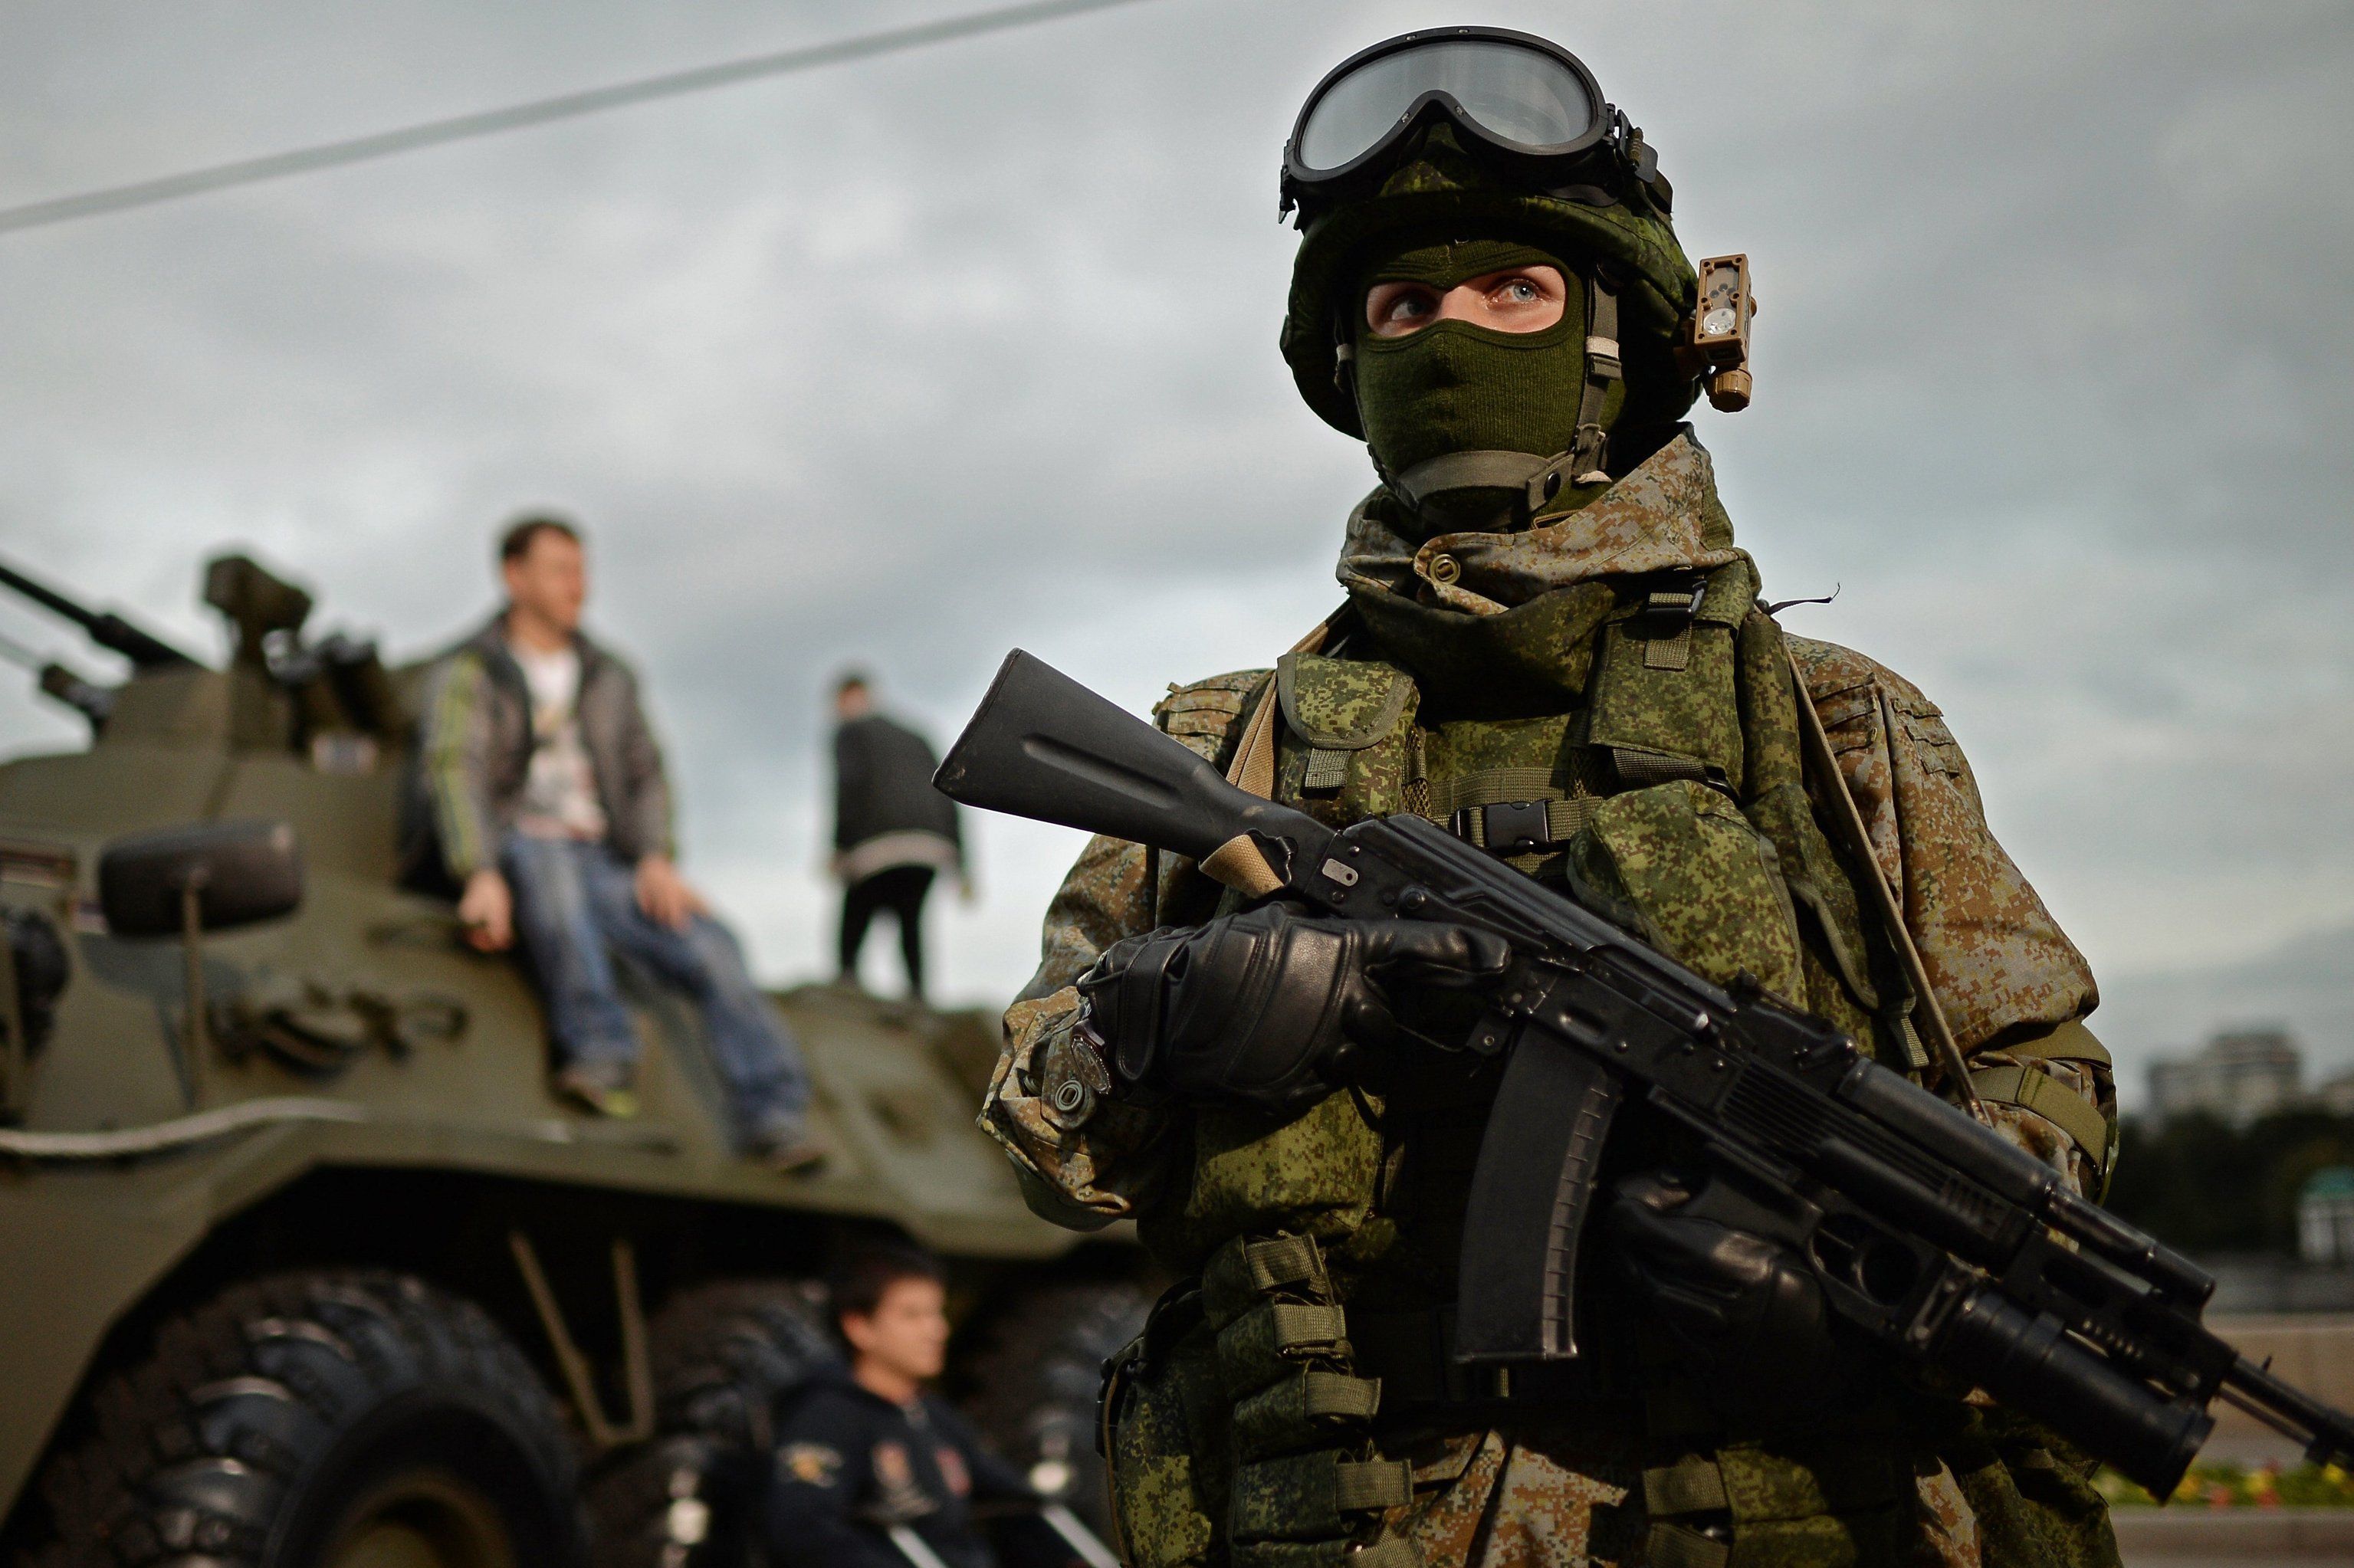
[892, 832]
[552, 814]
[865, 1451]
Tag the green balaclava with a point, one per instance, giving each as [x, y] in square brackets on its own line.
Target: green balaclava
[1453, 387]
[1441, 216]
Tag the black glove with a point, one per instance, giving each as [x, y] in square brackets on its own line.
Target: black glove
[1272, 1007]
[1748, 1308]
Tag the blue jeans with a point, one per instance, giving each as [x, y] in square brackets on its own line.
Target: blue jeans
[574, 904]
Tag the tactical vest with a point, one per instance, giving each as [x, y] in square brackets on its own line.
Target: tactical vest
[1638, 739]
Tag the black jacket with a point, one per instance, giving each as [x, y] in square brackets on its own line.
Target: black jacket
[883, 784]
[850, 1463]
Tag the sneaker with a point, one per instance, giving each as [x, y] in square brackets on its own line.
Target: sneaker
[790, 1148]
[602, 1088]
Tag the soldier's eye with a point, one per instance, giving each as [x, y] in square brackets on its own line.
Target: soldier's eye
[1521, 291]
[1395, 309]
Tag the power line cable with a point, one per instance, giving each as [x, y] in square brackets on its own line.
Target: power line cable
[539, 112]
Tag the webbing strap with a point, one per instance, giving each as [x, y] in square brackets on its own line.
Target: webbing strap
[1342, 1397]
[1678, 1546]
[1674, 607]
[2072, 1042]
[1371, 1483]
[1285, 1260]
[1390, 1553]
[1590, 446]
[1488, 786]
[1300, 1325]
[2050, 1098]
[1639, 769]
[1689, 1486]
[1327, 769]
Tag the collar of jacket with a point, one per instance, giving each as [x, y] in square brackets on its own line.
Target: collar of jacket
[1663, 515]
[489, 643]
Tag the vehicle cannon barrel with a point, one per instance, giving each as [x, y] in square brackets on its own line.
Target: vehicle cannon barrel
[108, 629]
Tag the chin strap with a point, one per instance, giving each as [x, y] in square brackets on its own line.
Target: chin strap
[1538, 479]
[1589, 448]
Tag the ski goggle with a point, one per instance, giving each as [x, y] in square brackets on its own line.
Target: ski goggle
[1520, 99]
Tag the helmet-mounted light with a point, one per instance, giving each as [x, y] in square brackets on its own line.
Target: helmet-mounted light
[1520, 100]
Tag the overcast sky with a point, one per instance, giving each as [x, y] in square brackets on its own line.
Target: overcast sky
[910, 361]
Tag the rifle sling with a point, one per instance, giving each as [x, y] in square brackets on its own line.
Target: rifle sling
[1847, 820]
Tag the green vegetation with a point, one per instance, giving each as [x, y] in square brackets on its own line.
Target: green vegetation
[2232, 1486]
[2199, 1185]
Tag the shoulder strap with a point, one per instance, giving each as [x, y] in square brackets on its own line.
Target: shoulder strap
[1816, 748]
[1590, 445]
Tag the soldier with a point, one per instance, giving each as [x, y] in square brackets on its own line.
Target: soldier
[1552, 644]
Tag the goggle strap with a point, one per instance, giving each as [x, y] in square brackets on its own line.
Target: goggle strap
[1590, 446]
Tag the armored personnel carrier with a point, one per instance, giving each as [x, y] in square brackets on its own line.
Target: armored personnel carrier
[302, 1265]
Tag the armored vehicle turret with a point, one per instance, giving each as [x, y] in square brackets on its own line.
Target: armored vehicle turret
[301, 1264]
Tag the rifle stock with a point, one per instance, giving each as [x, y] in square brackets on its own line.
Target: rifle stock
[1043, 746]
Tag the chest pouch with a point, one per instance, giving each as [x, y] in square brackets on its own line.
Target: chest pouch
[1345, 723]
[1708, 884]
[1661, 703]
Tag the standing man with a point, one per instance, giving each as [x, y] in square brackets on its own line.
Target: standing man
[553, 813]
[892, 832]
[1551, 646]
[867, 1455]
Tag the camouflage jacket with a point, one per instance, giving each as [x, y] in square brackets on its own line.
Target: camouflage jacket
[2012, 986]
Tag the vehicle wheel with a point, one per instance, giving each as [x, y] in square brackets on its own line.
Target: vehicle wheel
[321, 1419]
[1033, 1379]
[724, 1356]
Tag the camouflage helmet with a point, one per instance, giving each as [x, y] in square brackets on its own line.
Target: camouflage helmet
[1446, 175]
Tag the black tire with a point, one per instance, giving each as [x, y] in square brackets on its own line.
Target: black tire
[723, 1358]
[1032, 1377]
[315, 1420]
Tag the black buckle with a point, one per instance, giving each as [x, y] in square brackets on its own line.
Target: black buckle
[1507, 827]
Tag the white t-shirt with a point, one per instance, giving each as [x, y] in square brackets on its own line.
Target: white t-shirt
[559, 795]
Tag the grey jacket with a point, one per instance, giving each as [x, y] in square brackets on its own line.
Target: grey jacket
[475, 752]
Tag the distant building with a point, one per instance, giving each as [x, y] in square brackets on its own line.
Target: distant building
[2238, 1077]
[2325, 1216]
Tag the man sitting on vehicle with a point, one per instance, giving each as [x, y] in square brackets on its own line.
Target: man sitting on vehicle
[874, 1472]
[551, 808]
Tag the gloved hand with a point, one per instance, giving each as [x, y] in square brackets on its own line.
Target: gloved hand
[1748, 1307]
[1272, 1007]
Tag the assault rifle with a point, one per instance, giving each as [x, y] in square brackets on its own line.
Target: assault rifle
[1927, 1232]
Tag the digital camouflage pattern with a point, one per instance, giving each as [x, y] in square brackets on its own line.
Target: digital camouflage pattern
[1664, 514]
[1224, 1454]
